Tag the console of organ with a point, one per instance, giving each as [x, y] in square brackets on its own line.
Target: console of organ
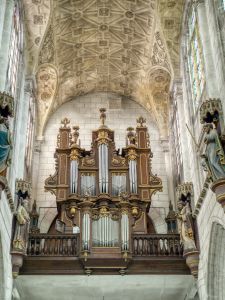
[106, 194]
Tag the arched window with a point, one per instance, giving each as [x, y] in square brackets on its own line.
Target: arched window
[195, 59]
[30, 136]
[14, 51]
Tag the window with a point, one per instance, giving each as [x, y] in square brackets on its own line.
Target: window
[223, 4]
[30, 136]
[195, 59]
[14, 52]
[176, 140]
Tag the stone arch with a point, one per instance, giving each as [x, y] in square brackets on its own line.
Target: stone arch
[1, 271]
[216, 263]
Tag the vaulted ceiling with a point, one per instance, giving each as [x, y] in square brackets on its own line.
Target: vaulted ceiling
[128, 47]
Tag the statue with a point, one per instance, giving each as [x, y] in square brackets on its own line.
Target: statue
[5, 146]
[185, 226]
[214, 159]
[22, 225]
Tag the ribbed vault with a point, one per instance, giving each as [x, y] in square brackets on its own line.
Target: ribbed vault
[100, 45]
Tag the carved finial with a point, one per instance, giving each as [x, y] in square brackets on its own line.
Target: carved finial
[75, 134]
[131, 135]
[140, 121]
[102, 116]
[65, 122]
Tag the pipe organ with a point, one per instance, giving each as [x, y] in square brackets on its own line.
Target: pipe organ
[104, 192]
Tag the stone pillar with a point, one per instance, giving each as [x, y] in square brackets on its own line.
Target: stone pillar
[211, 85]
[6, 35]
[169, 171]
[35, 168]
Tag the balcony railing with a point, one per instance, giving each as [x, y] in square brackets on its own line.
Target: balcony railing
[53, 245]
[69, 245]
[156, 245]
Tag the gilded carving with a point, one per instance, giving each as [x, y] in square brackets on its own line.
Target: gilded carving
[74, 155]
[88, 162]
[132, 154]
[118, 161]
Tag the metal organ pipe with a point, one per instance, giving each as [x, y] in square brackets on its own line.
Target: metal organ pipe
[73, 176]
[103, 168]
[86, 231]
[125, 232]
[133, 176]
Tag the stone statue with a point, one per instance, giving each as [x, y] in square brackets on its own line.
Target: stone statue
[22, 225]
[5, 146]
[214, 155]
[185, 226]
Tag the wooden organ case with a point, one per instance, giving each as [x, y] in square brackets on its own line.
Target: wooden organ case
[103, 195]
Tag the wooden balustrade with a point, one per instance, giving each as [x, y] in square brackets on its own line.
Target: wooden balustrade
[68, 245]
[156, 245]
[53, 245]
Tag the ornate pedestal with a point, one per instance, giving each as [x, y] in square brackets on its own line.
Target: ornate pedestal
[17, 262]
[192, 260]
[218, 187]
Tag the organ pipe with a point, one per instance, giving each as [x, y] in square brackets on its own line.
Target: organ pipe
[103, 168]
[125, 232]
[86, 231]
[73, 176]
[133, 176]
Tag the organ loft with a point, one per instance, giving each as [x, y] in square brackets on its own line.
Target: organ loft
[103, 198]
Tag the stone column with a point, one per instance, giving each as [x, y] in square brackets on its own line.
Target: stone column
[211, 84]
[35, 163]
[6, 35]
[169, 172]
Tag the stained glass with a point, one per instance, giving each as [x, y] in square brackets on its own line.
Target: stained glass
[14, 52]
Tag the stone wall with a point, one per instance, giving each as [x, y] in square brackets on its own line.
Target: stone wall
[210, 212]
[84, 111]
